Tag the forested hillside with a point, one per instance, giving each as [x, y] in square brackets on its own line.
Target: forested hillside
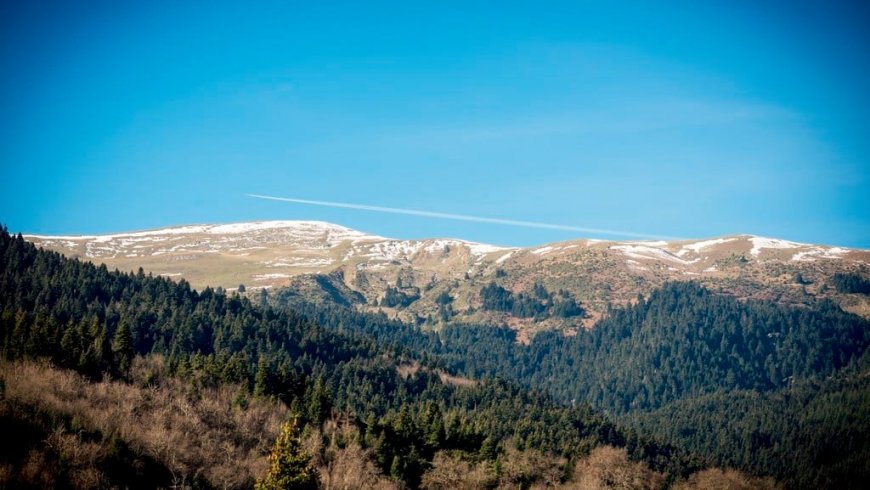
[105, 325]
[814, 432]
[752, 385]
[683, 365]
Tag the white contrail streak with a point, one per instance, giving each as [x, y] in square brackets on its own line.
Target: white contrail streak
[463, 217]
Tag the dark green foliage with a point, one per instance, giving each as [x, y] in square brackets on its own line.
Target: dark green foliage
[810, 435]
[685, 340]
[261, 378]
[496, 298]
[444, 299]
[682, 354]
[566, 307]
[122, 348]
[394, 298]
[90, 319]
[290, 467]
[680, 345]
[850, 283]
[537, 304]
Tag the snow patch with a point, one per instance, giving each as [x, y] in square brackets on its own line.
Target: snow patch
[394, 250]
[246, 249]
[543, 250]
[646, 252]
[504, 257]
[549, 248]
[648, 243]
[759, 243]
[266, 277]
[484, 248]
[299, 262]
[819, 253]
[227, 229]
[698, 246]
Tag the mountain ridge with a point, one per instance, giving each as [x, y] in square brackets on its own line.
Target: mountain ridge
[314, 257]
[243, 226]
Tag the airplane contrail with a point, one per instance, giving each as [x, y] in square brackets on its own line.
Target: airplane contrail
[463, 217]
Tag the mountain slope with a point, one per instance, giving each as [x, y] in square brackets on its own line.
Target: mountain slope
[84, 318]
[679, 344]
[367, 268]
[762, 387]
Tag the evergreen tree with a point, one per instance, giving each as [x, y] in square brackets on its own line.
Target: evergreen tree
[397, 468]
[489, 448]
[261, 378]
[122, 347]
[102, 349]
[289, 466]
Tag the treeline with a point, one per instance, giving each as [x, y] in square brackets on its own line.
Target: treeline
[95, 321]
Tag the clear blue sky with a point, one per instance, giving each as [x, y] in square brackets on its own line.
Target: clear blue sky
[674, 119]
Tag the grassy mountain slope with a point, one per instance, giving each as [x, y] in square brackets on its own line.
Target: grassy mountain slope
[316, 259]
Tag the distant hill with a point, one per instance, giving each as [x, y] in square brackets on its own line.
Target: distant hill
[443, 280]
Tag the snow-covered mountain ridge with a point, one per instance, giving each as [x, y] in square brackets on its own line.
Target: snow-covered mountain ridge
[268, 254]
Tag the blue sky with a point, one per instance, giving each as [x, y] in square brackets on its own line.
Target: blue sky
[675, 119]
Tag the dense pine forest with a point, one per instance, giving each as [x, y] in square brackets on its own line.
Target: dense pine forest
[754, 385]
[677, 382]
[100, 324]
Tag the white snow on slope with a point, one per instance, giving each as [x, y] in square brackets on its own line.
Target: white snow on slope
[819, 253]
[698, 246]
[485, 248]
[307, 241]
[227, 229]
[759, 243]
[266, 277]
[549, 248]
[393, 250]
[389, 250]
[648, 243]
[542, 250]
[299, 262]
[648, 252]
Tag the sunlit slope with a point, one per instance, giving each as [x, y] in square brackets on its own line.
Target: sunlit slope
[331, 262]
